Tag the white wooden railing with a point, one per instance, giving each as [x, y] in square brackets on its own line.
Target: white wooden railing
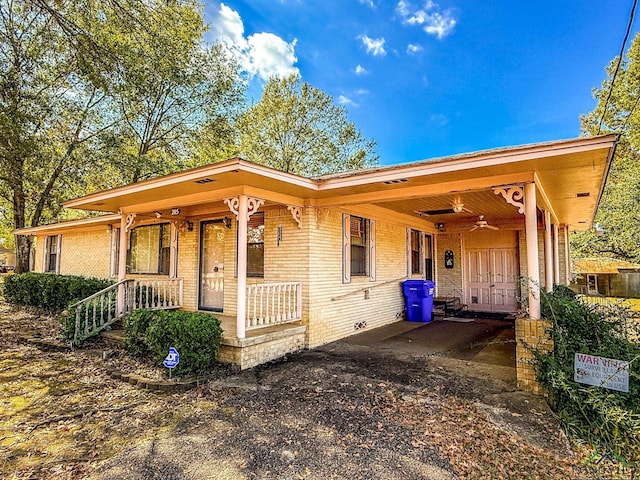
[273, 304]
[100, 310]
[97, 312]
[158, 294]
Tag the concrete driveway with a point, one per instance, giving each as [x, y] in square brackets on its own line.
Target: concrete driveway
[483, 340]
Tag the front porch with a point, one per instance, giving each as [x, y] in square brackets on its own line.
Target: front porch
[271, 327]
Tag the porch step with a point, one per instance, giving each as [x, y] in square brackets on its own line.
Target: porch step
[448, 306]
[114, 338]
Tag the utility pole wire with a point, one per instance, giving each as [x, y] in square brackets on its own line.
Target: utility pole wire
[615, 73]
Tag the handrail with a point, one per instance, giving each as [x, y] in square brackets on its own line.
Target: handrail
[456, 290]
[364, 289]
[91, 297]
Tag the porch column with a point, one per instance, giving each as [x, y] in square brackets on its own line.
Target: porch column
[548, 253]
[122, 260]
[241, 306]
[531, 234]
[556, 255]
[567, 255]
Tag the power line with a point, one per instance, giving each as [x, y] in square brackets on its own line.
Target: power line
[615, 73]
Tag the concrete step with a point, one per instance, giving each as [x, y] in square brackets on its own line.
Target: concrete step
[115, 338]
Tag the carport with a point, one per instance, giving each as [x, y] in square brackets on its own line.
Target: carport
[477, 339]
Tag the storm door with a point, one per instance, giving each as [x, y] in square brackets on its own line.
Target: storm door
[212, 235]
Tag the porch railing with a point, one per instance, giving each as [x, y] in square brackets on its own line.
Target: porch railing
[273, 304]
[160, 294]
[102, 309]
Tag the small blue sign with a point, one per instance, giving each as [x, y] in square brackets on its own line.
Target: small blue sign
[172, 359]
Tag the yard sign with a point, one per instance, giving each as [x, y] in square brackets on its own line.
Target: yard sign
[602, 372]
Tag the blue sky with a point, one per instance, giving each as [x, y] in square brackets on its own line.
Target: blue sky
[427, 79]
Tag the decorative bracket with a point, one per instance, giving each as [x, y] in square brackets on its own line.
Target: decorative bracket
[513, 194]
[253, 204]
[129, 222]
[296, 213]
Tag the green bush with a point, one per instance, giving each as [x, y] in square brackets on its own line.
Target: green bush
[50, 292]
[136, 324]
[608, 420]
[195, 335]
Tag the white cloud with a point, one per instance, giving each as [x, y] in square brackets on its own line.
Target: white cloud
[439, 120]
[342, 100]
[430, 17]
[413, 49]
[368, 3]
[374, 46]
[262, 54]
[362, 91]
[360, 70]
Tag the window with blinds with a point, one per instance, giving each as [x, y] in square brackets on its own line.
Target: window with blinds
[150, 249]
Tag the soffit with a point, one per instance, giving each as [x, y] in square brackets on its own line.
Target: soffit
[562, 170]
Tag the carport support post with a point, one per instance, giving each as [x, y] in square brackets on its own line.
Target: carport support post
[241, 306]
[531, 234]
[556, 255]
[548, 253]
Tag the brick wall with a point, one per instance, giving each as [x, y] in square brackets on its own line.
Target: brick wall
[249, 352]
[449, 282]
[531, 335]
[338, 310]
[86, 253]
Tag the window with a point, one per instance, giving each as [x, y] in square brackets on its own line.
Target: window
[415, 246]
[150, 249]
[115, 252]
[52, 254]
[428, 257]
[359, 244]
[255, 245]
[358, 248]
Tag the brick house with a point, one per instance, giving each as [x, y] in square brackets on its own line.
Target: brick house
[318, 259]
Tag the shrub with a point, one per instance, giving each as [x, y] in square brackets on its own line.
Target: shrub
[607, 419]
[50, 292]
[195, 335]
[135, 328]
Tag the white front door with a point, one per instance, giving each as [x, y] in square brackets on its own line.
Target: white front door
[492, 280]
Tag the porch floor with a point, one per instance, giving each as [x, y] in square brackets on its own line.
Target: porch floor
[228, 324]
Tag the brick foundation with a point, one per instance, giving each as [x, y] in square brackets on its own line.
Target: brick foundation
[531, 335]
[251, 351]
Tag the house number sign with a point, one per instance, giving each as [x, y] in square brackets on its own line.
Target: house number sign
[448, 259]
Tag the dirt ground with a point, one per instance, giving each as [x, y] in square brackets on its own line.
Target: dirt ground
[341, 411]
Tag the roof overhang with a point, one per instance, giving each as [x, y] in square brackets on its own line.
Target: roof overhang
[570, 176]
[88, 223]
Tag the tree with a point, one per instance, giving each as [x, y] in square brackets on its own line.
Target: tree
[619, 210]
[97, 93]
[166, 89]
[297, 129]
[45, 111]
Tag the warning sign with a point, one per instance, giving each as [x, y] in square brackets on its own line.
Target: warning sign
[602, 372]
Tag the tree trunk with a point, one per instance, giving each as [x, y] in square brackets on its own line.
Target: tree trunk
[23, 242]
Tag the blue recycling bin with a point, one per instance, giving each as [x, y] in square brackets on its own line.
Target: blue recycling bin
[418, 298]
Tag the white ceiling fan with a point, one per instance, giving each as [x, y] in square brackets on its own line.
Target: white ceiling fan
[482, 223]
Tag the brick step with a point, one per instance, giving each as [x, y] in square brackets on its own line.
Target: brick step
[448, 305]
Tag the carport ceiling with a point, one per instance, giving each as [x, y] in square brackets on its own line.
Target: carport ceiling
[485, 202]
